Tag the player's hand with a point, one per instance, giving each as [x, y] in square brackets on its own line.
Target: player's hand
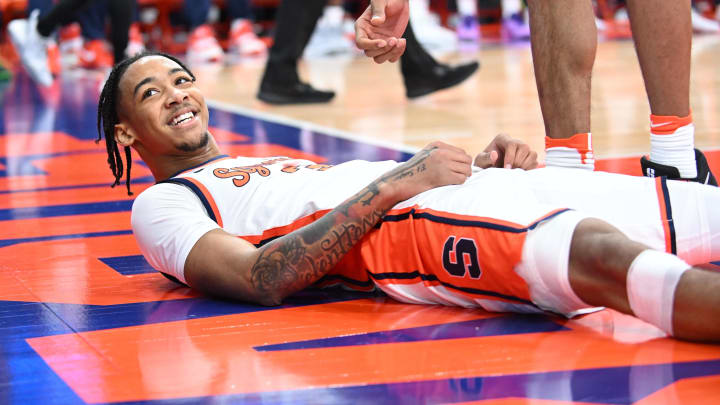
[436, 165]
[507, 152]
[378, 31]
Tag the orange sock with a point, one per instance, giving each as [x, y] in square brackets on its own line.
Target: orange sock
[574, 152]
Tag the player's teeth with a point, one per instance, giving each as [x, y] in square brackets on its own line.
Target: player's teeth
[183, 117]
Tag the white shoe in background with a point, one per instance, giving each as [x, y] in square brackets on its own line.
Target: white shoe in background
[702, 24]
[32, 47]
[329, 38]
[428, 30]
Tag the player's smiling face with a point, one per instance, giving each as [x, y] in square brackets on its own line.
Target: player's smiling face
[161, 108]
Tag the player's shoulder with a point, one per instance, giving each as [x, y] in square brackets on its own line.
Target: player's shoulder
[162, 191]
[163, 196]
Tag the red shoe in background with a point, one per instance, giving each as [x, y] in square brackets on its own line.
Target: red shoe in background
[203, 47]
[135, 41]
[243, 40]
[96, 55]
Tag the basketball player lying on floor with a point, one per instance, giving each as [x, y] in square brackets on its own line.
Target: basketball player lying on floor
[432, 230]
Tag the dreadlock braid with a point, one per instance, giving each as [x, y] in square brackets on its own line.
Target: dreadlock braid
[107, 116]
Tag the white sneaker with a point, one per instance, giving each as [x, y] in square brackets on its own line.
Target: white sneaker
[427, 28]
[702, 24]
[32, 48]
[328, 40]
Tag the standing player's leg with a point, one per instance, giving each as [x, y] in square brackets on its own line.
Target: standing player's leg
[564, 41]
[662, 31]
[294, 24]
[608, 269]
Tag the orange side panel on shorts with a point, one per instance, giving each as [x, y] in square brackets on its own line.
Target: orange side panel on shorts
[416, 244]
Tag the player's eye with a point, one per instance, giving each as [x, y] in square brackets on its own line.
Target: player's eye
[182, 80]
[149, 92]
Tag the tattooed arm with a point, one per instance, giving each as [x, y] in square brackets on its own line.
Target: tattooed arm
[224, 265]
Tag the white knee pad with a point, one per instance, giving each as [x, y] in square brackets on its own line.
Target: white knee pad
[651, 282]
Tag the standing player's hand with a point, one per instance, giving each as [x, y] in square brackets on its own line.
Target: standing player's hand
[378, 31]
[436, 165]
[507, 152]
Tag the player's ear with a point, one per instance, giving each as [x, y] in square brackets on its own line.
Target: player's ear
[124, 135]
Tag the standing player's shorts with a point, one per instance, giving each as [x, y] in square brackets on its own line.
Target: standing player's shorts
[501, 241]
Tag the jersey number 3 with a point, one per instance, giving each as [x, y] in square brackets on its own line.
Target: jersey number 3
[461, 257]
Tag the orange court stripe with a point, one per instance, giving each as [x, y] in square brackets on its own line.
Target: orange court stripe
[64, 225]
[196, 360]
[68, 196]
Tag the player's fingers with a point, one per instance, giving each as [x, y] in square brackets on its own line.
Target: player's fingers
[531, 161]
[378, 11]
[400, 49]
[374, 53]
[391, 54]
[509, 157]
[521, 152]
[484, 160]
[363, 41]
[447, 146]
[464, 169]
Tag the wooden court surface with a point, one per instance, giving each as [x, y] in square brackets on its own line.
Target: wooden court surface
[83, 319]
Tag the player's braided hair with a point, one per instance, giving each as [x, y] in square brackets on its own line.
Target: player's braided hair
[107, 116]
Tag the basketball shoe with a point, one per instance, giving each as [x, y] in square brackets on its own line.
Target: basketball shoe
[70, 44]
[32, 47]
[203, 47]
[95, 55]
[468, 28]
[243, 40]
[704, 175]
[135, 41]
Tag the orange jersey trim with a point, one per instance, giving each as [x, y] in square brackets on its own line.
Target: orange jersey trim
[210, 200]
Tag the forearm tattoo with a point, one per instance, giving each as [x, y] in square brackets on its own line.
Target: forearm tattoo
[300, 258]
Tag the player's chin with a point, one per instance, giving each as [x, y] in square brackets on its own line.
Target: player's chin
[195, 143]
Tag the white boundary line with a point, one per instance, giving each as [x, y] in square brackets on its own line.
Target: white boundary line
[334, 132]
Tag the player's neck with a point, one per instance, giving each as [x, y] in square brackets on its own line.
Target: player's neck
[164, 167]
